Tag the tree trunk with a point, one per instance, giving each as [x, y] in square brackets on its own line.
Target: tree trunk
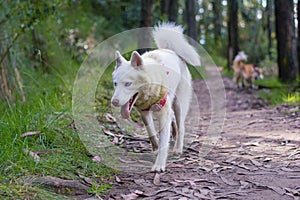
[146, 21]
[169, 8]
[164, 7]
[191, 18]
[217, 10]
[173, 11]
[269, 26]
[233, 39]
[298, 35]
[286, 41]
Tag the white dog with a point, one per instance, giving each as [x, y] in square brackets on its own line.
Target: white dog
[158, 82]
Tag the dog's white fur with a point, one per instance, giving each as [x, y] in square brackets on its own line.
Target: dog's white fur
[241, 56]
[151, 76]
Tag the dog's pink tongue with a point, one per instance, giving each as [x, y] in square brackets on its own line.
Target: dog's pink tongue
[125, 111]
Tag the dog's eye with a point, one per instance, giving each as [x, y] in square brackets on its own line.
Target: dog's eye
[127, 84]
[115, 84]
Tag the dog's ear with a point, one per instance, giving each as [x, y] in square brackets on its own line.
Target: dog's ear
[136, 60]
[119, 59]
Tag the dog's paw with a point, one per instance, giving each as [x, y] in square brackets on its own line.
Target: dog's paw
[177, 151]
[158, 168]
[156, 107]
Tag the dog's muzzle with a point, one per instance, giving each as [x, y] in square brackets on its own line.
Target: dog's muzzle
[115, 102]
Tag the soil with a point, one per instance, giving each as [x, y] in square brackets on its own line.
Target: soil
[257, 156]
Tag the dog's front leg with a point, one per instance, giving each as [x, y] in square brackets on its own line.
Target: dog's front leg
[148, 121]
[165, 119]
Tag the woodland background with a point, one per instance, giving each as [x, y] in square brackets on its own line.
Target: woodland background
[43, 43]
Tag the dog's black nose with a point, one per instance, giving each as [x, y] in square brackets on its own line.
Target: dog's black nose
[115, 102]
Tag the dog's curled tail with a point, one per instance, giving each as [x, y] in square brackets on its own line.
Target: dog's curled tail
[169, 36]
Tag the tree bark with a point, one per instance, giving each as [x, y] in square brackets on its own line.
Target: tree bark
[146, 21]
[173, 11]
[233, 39]
[286, 41]
[169, 8]
[217, 10]
[191, 18]
[298, 36]
[269, 26]
[164, 7]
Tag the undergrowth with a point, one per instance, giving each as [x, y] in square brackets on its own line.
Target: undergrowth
[278, 92]
[46, 111]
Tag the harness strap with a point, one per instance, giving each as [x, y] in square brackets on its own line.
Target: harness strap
[161, 103]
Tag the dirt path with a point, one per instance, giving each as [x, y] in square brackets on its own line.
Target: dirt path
[256, 157]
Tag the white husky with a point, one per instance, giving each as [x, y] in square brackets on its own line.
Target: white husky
[158, 82]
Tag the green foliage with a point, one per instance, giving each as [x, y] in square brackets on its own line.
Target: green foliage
[48, 65]
[99, 190]
[292, 98]
[46, 110]
[278, 93]
[270, 68]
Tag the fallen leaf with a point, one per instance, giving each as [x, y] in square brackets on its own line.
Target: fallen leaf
[118, 180]
[183, 198]
[292, 191]
[219, 169]
[204, 191]
[253, 143]
[174, 165]
[200, 196]
[244, 185]
[289, 169]
[139, 192]
[279, 190]
[230, 160]
[110, 118]
[229, 182]
[86, 179]
[30, 133]
[243, 165]
[96, 159]
[115, 141]
[256, 163]
[184, 193]
[108, 132]
[157, 192]
[139, 181]
[190, 182]
[267, 160]
[130, 196]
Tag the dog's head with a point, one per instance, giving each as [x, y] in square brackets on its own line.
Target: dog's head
[258, 72]
[127, 79]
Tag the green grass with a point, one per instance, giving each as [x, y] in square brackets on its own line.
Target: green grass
[292, 98]
[279, 93]
[48, 110]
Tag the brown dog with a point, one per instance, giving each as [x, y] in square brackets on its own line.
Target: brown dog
[245, 72]
[248, 73]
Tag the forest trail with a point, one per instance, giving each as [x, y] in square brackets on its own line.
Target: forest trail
[256, 157]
